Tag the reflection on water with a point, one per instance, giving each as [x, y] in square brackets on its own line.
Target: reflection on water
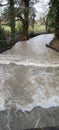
[29, 75]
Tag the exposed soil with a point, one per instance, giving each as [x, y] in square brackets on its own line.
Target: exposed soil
[54, 44]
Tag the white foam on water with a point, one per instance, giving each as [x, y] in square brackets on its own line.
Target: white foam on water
[53, 101]
[2, 103]
[15, 57]
[38, 99]
[46, 103]
[29, 63]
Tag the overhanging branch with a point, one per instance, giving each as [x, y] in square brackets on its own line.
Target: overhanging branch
[1, 5]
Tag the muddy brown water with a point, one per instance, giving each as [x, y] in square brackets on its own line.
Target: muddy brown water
[29, 85]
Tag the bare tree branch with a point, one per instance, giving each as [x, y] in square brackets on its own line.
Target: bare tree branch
[1, 5]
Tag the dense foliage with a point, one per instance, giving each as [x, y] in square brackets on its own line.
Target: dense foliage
[53, 16]
[22, 10]
[3, 42]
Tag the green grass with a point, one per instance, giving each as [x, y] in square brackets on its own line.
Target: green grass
[37, 28]
[6, 28]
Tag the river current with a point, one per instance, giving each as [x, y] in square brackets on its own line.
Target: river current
[29, 75]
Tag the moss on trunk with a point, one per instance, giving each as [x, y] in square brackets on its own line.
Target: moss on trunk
[3, 41]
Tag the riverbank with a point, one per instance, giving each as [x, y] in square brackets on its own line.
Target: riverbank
[37, 119]
[20, 38]
[54, 44]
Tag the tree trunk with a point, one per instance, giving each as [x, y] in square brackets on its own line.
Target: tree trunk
[46, 23]
[57, 24]
[12, 19]
[3, 41]
[26, 18]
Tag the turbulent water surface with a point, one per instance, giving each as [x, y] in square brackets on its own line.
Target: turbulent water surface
[29, 75]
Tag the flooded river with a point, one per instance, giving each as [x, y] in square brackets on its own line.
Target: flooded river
[29, 85]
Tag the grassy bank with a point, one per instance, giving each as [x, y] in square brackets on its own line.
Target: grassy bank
[37, 28]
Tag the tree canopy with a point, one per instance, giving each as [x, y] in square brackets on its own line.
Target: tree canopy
[53, 16]
[22, 10]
